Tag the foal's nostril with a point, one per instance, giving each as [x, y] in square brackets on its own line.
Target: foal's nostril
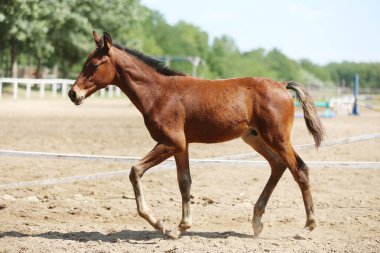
[72, 95]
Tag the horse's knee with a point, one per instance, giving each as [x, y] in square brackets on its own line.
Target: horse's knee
[180, 147]
[134, 175]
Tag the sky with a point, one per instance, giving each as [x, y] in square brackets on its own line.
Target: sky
[322, 31]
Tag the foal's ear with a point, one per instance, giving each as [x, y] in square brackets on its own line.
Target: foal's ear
[107, 41]
[96, 38]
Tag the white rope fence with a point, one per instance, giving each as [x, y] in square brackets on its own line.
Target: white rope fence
[224, 161]
[128, 159]
[167, 165]
[73, 157]
[324, 144]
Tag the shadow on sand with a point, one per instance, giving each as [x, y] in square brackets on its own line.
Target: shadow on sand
[130, 236]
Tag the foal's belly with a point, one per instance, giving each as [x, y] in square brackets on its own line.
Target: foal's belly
[217, 113]
[216, 128]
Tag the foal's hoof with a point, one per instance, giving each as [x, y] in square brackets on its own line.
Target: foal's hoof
[257, 228]
[304, 233]
[160, 226]
[173, 234]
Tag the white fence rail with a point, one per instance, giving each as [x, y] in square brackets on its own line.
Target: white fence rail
[57, 85]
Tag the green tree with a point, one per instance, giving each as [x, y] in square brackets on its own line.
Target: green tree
[254, 63]
[285, 68]
[71, 32]
[223, 57]
[60, 30]
[24, 27]
[317, 70]
[345, 72]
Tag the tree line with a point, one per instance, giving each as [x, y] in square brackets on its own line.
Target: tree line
[56, 34]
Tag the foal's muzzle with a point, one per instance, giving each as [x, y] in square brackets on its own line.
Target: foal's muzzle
[75, 98]
[72, 95]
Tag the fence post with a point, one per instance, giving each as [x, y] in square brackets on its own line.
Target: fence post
[110, 91]
[54, 89]
[103, 92]
[15, 88]
[195, 62]
[64, 89]
[28, 87]
[118, 92]
[42, 90]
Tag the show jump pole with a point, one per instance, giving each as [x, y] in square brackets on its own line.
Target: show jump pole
[355, 109]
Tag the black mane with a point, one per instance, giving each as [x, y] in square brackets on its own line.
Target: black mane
[155, 63]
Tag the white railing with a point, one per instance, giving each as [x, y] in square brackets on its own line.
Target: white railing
[57, 85]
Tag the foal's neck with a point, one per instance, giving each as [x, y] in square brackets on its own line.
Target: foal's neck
[139, 82]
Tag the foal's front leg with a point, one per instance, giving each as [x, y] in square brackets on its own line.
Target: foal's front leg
[184, 182]
[160, 153]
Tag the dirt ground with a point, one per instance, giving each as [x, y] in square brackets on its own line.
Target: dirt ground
[100, 215]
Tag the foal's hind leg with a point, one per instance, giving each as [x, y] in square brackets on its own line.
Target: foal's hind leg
[277, 167]
[159, 154]
[300, 173]
[184, 182]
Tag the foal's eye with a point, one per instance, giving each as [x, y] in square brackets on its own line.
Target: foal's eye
[94, 65]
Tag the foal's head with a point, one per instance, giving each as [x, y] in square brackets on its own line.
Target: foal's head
[98, 70]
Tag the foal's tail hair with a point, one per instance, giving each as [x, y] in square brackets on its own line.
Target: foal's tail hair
[312, 121]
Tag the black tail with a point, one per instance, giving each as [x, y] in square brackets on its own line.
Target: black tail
[313, 123]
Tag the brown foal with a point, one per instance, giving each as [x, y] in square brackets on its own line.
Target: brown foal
[179, 110]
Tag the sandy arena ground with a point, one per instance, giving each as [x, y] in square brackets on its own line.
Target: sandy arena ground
[100, 215]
